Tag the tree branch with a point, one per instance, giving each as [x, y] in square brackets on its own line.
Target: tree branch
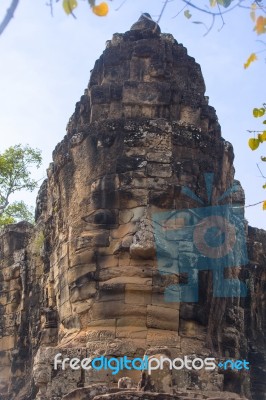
[261, 172]
[211, 26]
[189, 3]
[51, 6]
[223, 23]
[9, 15]
[162, 11]
[6, 202]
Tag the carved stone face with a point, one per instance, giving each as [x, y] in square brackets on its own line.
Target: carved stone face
[112, 270]
[141, 131]
[114, 290]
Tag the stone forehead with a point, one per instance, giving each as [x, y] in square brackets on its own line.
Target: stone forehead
[144, 74]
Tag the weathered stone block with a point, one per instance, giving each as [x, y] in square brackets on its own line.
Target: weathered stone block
[7, 343]
[160, 170]
[160, 157]
[137, 294]
[158, 337]
[153, 93]
[192, 329]
[77, 272]
[158, 299]
[111, 292]
[116, 309]
[162, 318]
[123, 230]
[84, 293]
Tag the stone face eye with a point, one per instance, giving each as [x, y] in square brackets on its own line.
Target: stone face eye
[104, 217]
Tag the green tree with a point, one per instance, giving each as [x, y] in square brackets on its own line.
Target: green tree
[15, 175]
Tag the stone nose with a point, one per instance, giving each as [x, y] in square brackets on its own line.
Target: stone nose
[143, 244]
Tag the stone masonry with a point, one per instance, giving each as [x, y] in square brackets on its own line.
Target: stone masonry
[85, 280]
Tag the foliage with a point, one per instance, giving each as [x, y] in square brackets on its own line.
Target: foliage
[15, 175]
[101, 9]
[38, 243]
[251, 58]
[255, 142]
[216, 8]
[261, 136]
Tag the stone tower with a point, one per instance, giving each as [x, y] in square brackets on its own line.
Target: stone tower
[88, 279]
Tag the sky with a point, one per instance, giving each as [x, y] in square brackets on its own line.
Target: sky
[45, 65]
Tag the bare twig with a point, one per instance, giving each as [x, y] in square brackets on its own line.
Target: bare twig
[261, 41]
[179, 12]
[189, 3]
[222, 18]
[162, 11]
[249, 205]
[261, 172]
[249, 131]
[9, 15]
[211, 26]
[121, 5]
[255, 204]
[50, 5]
[261, 7]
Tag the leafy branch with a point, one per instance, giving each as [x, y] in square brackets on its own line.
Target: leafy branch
[255, 142]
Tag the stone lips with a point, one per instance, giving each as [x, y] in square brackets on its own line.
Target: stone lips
[85, 280]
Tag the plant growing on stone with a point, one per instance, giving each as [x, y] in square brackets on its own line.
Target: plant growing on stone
[15, 175]
[39, 242]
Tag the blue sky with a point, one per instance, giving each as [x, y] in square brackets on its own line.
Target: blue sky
[45, 66]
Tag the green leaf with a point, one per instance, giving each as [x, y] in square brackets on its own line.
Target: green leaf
[69, 6]
[187, 14]
[224, 3]
[262, 137]
[258, 112]
[250, 60]
[253, 143]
